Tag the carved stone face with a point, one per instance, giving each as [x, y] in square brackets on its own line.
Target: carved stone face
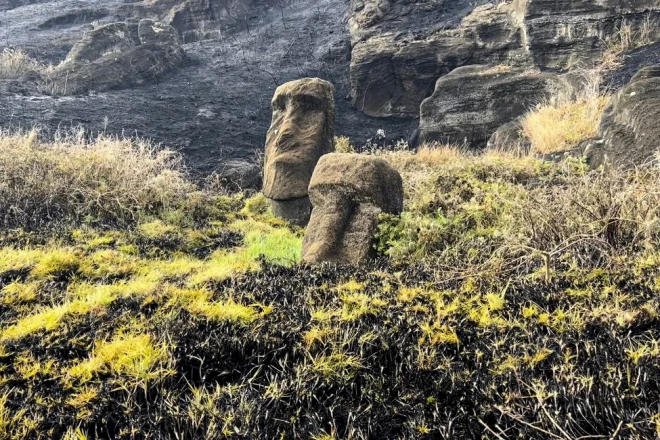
[348, 192]
[301, 132]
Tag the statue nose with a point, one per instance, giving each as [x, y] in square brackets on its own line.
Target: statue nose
[285, 137]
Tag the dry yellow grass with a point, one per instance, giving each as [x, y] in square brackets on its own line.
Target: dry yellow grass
[554, 128]
[568, 117]
[629, 37]
[14, 63]
[105, 179]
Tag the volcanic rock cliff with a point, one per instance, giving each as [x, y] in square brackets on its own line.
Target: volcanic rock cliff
[384, 58]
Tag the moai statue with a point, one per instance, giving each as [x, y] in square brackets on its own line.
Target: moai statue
[348, 193]
[301, 132]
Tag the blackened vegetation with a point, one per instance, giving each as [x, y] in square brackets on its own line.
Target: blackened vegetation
[265, 380]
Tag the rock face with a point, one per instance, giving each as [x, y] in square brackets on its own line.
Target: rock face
[348, 193]
[510, 137]
[301, 132]
[114, 56]
[393, 71]
[105, 40]
[565, 33]
[470, 103]
[630, 130]
[401, 48]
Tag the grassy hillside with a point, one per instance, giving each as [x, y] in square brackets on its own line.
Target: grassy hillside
[513, 299]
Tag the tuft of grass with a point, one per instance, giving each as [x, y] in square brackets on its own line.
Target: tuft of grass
[343, 145]
[257, 205]
[337, 366]
[56, 263]
[18, 260]
[47, 319]
[108, 263]
[135, 357]
[15, 63]
[18, 292]
[566, 119]
[157, 230]
[629, 37]
[84, 298]
[106, 179]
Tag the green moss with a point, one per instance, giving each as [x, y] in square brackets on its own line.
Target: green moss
[257, 205]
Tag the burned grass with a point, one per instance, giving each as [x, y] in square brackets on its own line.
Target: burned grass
[352, 353]
[513, 299]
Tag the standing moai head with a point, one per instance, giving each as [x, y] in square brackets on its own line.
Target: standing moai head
[348, 193]
[301, 132]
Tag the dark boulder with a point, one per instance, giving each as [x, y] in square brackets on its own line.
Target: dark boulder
[630, 127]
[510, 137]
[472, 102]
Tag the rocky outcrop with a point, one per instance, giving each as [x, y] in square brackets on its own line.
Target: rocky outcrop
[301, 132]
[472, 102]
[111, 57]
[392, 72]
[200, 19]
[348, 193]
[630, 130]
[110, 39]
[401, 48]
[72, 18]
[561, 34]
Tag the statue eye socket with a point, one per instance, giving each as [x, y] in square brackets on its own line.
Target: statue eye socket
[279, 104]
[309, 102]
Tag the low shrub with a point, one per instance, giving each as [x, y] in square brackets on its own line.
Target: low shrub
[104, 180]
[14, 63]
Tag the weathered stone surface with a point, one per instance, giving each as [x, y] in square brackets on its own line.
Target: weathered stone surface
[392, 72]
[401, 48]
[240, 175]
[301, 132]
[510, 137]
[630, 129]
[109, 39]
[472, 102]
[348, 193]
[191, 18]
[70, 18]
[109, 58]
[296, 211]
[565, 33]
[199, 19]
